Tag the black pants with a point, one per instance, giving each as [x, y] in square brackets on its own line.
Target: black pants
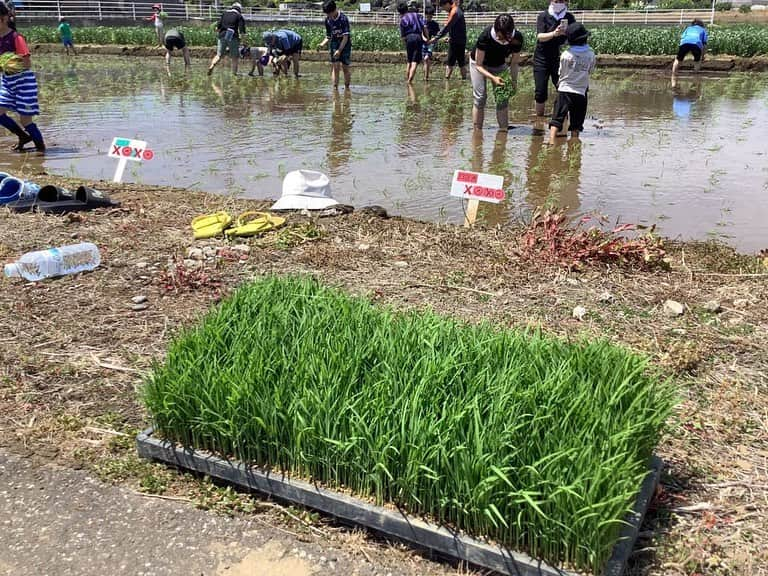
[542, 74]
[573, 105]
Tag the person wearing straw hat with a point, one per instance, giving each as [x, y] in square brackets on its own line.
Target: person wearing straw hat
[229, 27]
[305, 190]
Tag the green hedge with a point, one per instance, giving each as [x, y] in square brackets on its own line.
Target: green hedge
[742, 40]
[534, 442]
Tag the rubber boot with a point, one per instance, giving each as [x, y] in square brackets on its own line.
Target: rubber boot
[17, 130]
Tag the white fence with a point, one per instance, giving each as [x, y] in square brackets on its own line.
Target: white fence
[106, 10]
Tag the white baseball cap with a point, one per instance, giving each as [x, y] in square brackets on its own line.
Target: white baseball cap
[237, 6]
[305, 190]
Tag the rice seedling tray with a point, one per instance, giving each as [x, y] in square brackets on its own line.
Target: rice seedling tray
[392, 523]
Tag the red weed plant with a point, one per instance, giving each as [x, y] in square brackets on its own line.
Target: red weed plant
[179, 277]
[553, 237]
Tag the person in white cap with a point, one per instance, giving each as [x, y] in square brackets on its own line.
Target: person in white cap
[305, 190]
[229, 27]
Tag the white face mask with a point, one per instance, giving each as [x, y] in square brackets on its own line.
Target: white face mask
[558, 7]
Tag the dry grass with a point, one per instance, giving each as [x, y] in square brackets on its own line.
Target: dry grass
[73, 349]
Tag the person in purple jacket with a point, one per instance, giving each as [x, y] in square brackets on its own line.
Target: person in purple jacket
[412, 32]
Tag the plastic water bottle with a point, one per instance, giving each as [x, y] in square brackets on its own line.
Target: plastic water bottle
[55, 262]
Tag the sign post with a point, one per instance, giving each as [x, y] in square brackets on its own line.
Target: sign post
[125, 149]
[476, 187]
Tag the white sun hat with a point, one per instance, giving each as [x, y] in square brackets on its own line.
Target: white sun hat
[305, 190]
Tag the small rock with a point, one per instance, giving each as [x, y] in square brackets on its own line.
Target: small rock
[606, 297]
[193, 264]
[741, 303]
[712, 306]
[242, 248]
[209, 251]
[572, 281]
[74, 235]
[140, 307]
[363, 247]
[195, 253]
[673, 308]
[401, 264]
[139, 299]
[141, 264]
[678, 331]
[579, 312]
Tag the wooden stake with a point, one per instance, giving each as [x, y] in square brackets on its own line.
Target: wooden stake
[471, 215]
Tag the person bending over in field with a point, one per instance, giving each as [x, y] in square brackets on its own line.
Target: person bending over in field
[693, 41]
[285, 46]
[259, 56]
[174, 40]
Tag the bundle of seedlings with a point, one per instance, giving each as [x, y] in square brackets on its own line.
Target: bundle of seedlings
[519, 438]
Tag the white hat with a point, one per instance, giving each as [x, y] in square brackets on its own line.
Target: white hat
[237, 6]
[305, 190]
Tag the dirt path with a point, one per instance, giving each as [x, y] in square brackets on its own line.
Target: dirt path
[73, 350]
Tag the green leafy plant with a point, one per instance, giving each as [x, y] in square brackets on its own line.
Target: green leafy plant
[504, 92]
[535, 443]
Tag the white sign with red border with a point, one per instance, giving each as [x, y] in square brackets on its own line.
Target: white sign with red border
[477, 186]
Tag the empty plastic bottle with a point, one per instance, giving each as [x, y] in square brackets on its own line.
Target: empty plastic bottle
[55, 262]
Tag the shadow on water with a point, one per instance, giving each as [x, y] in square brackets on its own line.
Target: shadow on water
[691, 159]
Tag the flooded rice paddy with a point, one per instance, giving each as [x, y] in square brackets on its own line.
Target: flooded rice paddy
[693, 161]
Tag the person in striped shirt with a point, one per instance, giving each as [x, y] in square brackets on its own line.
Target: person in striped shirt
[18, 86]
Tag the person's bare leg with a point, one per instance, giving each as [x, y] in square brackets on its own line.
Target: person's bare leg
[478, 117]
[502, 116]
[212, 65]
[696, 66]
[296, 65]
[427, 66]
[552, 134]
[448, 72]
[235, 62]
[187, 61]
[675, 68]
[540, 108]
[347, 75]
[463, 71]
[335, 74]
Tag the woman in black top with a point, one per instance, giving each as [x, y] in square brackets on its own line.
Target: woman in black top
[488, 60]
[551, 25]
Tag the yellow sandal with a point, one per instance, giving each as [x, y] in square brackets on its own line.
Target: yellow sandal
[210, 225]
[252, 223]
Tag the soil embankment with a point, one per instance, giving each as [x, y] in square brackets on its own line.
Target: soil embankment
[74, 351]
[711, 63]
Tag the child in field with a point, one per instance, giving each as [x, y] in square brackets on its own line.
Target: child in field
[693, 40]
[576, 63]
[158, 17]
[412, 32]
[65, 33]
[431, 28]
[259, 56]
[18, 86]
[338, 34]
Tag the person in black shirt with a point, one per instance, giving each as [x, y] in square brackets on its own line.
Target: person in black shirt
[488, 61]
[229, 27]
[456, 29]
[551, 26]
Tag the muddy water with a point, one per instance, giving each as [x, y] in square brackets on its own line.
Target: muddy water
[693, 161]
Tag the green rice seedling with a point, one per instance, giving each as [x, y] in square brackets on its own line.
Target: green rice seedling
[535, 443]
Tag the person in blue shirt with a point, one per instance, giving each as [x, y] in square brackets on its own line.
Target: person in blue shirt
[284, 46]
[412, 32]
[337, 33]
[693, 41]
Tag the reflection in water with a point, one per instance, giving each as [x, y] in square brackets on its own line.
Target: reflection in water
[553, 173]
[340, 144]
[683, 97]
